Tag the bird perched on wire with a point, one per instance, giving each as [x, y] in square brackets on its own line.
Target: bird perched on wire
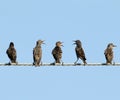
[57, 52]
[79, 52]
[37, 53]
[109, 53]
[11, 52]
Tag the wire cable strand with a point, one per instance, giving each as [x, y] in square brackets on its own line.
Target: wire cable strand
[63, 64]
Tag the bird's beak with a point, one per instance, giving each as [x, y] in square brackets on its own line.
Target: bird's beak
[43, 42]
[114, 46]
[62, 45]
[74, 43]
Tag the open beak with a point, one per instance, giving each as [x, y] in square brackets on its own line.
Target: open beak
[62, 44]
[74, 43]
[114, 46]
[43, 42]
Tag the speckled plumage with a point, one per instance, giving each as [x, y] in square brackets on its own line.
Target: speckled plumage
[37, 53]
[11, 52]
[109, 53]
[57, 52]
[80, 52]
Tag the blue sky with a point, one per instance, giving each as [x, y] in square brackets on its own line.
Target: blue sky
[94, 22]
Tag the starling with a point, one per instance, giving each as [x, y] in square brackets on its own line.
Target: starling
[109, 53]
[57, 52]
[37, 53]
[11, 52]
[80, 52]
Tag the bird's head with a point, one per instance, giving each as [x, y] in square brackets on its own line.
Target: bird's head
[39, 42]
[77, 42]
[59, 44]
[11, 44]
[111, 45]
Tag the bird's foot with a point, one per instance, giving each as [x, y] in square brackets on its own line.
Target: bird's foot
[108, 63]
[16, 63]
[41, 63]
[35, 64]
[57, 64]
[77, 63]
[52, 63]
[113, 63]
[85, 63]
[13, 63]
[62, 63]
[8, 63]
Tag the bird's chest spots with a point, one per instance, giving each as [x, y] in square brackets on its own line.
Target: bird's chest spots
[110, 52]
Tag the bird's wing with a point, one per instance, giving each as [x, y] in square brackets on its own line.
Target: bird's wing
[54, 51]
[57, 53]
[11, 52]
[8, 52]
[108, 52]
[37, 52]
[80, 53]
[105, 52]
[108, 55]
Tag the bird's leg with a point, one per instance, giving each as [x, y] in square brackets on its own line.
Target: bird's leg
[84, 62]
[12, 62]
[16, 63]
[53, 63]
[57, 61]
[76, 61]
[41, 63]
[113, 62]
[9, 63]
[62, 62]
[108, 62]
[35, 63]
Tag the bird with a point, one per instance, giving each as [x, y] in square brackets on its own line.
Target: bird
[109, 53]
[57, 52]
[12, 54]
[79, 52]
[37, 53]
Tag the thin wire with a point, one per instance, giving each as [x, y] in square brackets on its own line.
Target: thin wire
[63, 64]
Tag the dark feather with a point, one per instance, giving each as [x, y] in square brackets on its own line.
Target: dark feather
[11, 52]
[57, 54]
[80, 53]
[108, 55]
[37, 53]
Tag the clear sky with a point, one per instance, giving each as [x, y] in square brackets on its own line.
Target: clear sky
[94, 22]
